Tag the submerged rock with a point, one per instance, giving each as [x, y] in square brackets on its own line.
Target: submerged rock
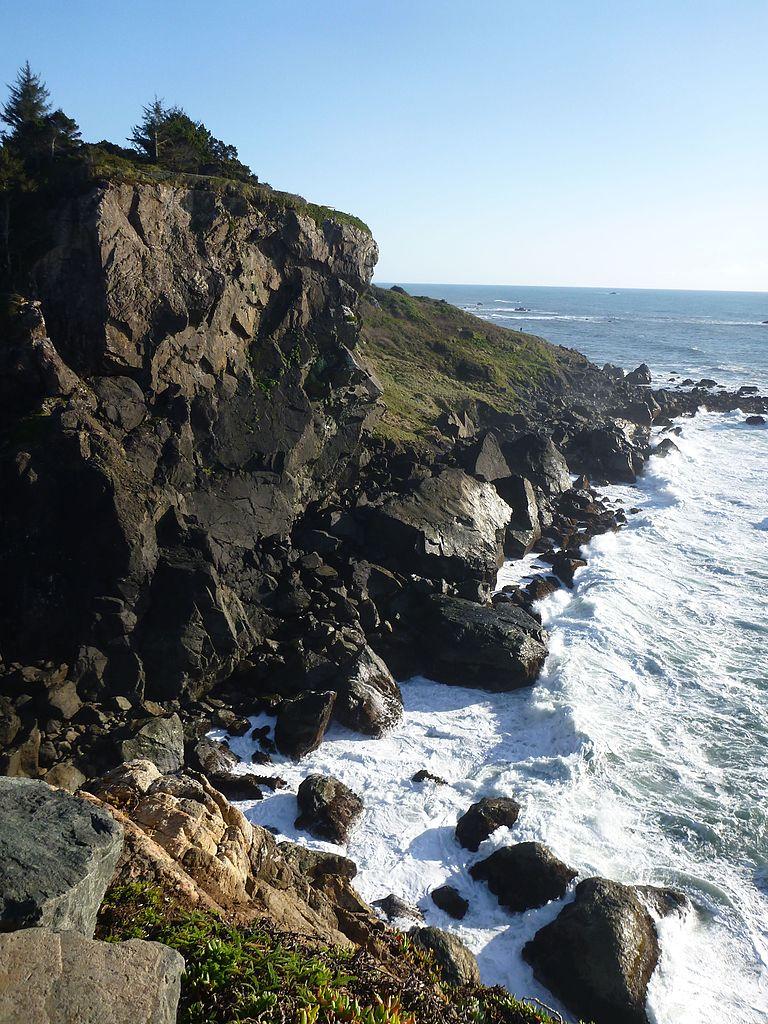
[483, 818]
[57, 857]
[457, 963]
[450, 900]
[524, 876]
[599, 953]
[328, 808]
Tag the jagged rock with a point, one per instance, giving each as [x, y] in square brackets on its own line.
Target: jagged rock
[565, 566]
[494, 648]
[368, 698]
[541, 587]
[315, 864]
[159, 740]
[640, 375]
[525, 527]
[184, 836]
[524, 876]
[483, 818]
[395, 909]
[457, 963]
[665, 447]
[57, 857]
[301, 723]
[451, 526]
[327, 808]
[536, 458]
[599, 953]
[604, 453]
[451, 901]
[484, 459]
[64, 978]
[217, 762]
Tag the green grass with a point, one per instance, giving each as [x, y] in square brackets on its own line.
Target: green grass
[431, 356]
[248, 974]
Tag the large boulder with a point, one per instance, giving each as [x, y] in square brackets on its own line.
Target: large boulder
[457, 963]
[484, 817]
[524, 876]
[605, 453]
[301, 723]
[599, 953]
[450, 527]
[159, 739]
[449, 899]
[535, 457]
[57, 857]
[49, 977]
[369, 699]
[640, 375]
[217, 763]
[525, 526]
[327, 808]
[495, 648]
[483, 458]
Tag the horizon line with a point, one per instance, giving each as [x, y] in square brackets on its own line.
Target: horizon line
[575, 287]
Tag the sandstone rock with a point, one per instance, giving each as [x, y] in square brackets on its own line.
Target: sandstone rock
[57, 857]
[328, 808]
[458, 965]
[122, 786]
[369, 699]
[159, 740]
[449, 899]
[301, 723]
[63, 978]
[598, 954]
[483, 818]
[65, 775]
[217, 762]
[524, 876]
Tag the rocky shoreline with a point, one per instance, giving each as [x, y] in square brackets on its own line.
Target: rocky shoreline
[202, 520]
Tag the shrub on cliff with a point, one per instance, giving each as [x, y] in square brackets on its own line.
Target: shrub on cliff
[236, 975]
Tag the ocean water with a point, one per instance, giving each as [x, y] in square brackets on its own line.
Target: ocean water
[642, 752]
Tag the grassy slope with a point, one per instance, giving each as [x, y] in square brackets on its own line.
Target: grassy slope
[431, 356]
[248, 974]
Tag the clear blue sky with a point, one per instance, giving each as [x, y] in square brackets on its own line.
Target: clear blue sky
[553, 142]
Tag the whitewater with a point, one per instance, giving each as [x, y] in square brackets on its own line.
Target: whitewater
[640, 754]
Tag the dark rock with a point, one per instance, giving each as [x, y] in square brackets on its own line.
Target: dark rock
[640, 375]
[495, 648]
[484, 460]
[524, 876]
[217, 762]
[665, 447]
[63, 978]
[604, 453]
[10, 723]
[524, 528]
[316, 864]
[159, 740]
[451, 901]
[328, 809]
[394, 908]
[422, 775]
[368, 698]
[755, 421]
[457, 963]
[541, 587]
[483, 818]
[536, 458]
[565, 566]
[57, 856]
[598, 955]
[451, 526]
[301, 723]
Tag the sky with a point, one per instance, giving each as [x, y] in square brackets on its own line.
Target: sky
[619, 143]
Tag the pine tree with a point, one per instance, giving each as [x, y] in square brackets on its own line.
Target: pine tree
[28, 104]
[147, 136]
[61, 132]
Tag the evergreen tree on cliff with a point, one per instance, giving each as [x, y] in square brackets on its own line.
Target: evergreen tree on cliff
[148, 136]
[36, 130]
[28, 102]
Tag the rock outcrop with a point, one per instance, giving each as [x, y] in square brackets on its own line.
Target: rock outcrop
[483, 818]
[524, 876]
[51, 977]
[457, 963]
[57, 857]
[598, 955]
[327, 808]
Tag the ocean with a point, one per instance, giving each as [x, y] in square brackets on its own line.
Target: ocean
[642, 752]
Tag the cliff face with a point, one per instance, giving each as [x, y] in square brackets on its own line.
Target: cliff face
[184, 386]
